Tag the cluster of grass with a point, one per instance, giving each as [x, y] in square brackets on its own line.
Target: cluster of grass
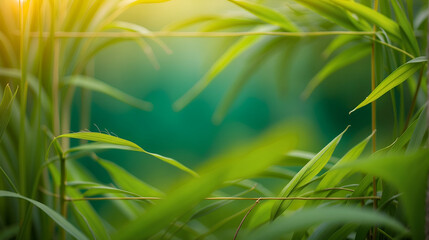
[47, 49]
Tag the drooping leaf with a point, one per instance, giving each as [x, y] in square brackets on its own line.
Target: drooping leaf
[129, 182]
[267, 14]
[105, 138]
[340, 61]
[233, 52]
[99, 86]
[60, 220]
[310, 170]
[301, 220]
[406, 27]
[394, 79]
[371, 16]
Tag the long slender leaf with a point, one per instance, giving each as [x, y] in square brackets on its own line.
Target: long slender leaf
[394, 79]
[99, 86]
[267, 14]
[62, 222]
[310, 170]
[6, 108]
[105, 138]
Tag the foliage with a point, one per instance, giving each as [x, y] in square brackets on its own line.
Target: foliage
[326, 198]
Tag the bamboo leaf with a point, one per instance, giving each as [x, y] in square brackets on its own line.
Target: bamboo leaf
[371, 16]
[394, 79]
[340, 61]
[127, 181]
[310, 170]
[406, 27]
[233, 52]
[104, 138]
[99, 86]
[267, 14]
[62, 222]
[304, 219]
[396, 169]
[6, 108]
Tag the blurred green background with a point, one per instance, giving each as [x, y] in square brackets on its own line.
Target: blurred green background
[189, 135]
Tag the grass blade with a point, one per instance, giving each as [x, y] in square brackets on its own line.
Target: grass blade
[62, 222]
[6, 108]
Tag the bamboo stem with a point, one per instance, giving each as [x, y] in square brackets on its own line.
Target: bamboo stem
[413, 103]
[228, 198]
[244, 218]
[374, 116]
[63, 200]
[195, 34]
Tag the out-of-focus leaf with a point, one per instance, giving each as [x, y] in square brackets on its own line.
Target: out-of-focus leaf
[60, 220]
[371, 16]
[332, 12]
[129, 182]
[406, 27]
[337, 43]
[189, 22]
[231, 22]
[394, 79]
[267, 14]
[419, 132]
[310, 170]
[306, 218]
[6, 108]
[233, 52]
[397, 169]
[241, 163]
[340, 61]
[99, 86]
[105, 138]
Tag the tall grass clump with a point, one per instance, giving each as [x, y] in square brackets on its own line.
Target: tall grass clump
[47, 50]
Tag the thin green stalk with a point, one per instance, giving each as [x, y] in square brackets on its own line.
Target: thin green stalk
[413, 103]
[63, 202]
[374, 116]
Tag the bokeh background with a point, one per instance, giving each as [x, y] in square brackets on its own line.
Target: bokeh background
[190, 135]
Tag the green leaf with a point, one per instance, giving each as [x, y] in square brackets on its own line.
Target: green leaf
[371, 16]
[93, 189]
[332, 12]
[419, 132]
[310, 170]
[104, 138]
[267, 14]
[406, 27]
[233, 52]
[61, 221]
[394, 79]
[333, 176]
[99, 86]
[6, 108]
[306, 218]
[342, 60]
[337, 43]
[178, 25]
[129, 182]
[397, 169]
[238, 164]
[231, 22]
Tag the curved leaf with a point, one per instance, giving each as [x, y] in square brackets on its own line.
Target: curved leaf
[394, 79]
[99, 86]
[6, 108]
[61, 221]
[306, 218]
[267, 14]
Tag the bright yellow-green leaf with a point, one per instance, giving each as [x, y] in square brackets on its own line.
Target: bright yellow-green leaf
[394, 79]
[310, 170]
[267, 14]
[6, 108]
[105, 138]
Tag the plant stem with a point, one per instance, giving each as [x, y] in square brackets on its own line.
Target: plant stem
[228, 198]
[374, 116]
[63, 200]
[198, 34]
[244, 218]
